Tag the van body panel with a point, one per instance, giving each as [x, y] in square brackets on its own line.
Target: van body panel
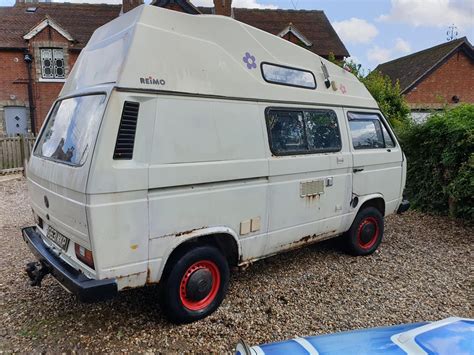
[66, 212]
[123, 175]
[119, 224]
[293, 217]
[378, 171]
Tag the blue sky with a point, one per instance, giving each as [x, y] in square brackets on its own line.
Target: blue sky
[375, 31]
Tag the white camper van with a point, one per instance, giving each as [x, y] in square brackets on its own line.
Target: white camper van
[182, 146]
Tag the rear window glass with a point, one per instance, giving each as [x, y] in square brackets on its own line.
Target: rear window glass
[71, 128]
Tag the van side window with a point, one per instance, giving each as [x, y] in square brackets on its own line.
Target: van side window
[322, 130]
[286, 130]
[303, 131]
[368, 132]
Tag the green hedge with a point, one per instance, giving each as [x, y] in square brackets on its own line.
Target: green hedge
[440, 154]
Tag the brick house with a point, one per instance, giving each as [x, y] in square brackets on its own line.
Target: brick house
[40, 42]
[435, 77]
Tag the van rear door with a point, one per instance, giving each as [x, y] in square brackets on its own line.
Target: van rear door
[377, 157]
[58, 169]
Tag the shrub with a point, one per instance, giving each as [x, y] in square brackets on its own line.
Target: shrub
[440, 154]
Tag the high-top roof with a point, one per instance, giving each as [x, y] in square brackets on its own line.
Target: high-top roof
[79, 20]
[412, 68]
[162, 51]
[313, 24]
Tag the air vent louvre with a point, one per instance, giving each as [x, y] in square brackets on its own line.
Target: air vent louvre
[126, 133]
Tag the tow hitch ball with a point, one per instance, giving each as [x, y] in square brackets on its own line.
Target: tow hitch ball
[36, 272]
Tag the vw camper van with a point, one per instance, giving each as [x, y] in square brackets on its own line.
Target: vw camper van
[184, 146]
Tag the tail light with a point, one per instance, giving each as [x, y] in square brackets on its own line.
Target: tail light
[84, 255]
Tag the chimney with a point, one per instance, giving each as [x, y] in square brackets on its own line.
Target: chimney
[223, 7]
[128, 5]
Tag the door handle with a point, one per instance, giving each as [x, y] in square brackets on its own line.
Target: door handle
[357, 170]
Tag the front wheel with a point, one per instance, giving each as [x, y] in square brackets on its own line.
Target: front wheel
[366, 232]
[195, 284]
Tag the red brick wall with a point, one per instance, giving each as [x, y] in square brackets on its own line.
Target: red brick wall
[454, 77]
[14, 76]
[13, 69]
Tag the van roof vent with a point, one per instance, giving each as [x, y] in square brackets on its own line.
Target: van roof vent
[126, 133]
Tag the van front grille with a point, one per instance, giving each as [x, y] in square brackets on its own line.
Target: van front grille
[126, 133]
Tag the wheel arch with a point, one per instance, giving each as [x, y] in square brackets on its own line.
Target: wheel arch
[376, 200]
[223, 239]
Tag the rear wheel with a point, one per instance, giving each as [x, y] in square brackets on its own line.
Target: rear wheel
[195, 284]
[366, 232]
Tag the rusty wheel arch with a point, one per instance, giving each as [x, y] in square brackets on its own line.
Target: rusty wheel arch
[226, 244]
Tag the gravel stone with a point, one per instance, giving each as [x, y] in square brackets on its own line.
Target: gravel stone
[421, 272]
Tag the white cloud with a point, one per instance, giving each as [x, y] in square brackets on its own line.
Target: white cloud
[355, 30]
[402, 46]
[379, 55]
[431, 13]
[252, 4]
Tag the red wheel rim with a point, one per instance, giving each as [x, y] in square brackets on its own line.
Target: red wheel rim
[207, 300]
[366, 222]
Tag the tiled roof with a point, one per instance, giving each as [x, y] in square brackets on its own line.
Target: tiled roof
[410, 69]
[313, 24]
[79, 20]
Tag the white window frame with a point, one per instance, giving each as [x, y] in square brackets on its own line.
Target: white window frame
[53, 55]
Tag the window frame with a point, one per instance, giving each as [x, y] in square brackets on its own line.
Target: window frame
[48, 117]
[54, 78]
[301, 152]
[382, 123]
[287, 84]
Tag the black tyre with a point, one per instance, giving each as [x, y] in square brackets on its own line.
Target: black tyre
[366, 232]
[194, 284]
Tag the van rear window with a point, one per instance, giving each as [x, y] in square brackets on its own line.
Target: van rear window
[71, 127]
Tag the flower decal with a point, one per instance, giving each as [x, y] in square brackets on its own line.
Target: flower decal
[250, 61]
[343, 89]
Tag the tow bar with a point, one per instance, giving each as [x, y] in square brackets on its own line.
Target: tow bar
[36, 272]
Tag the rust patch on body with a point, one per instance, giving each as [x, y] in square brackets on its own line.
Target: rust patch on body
[309, 239]
[185, 233]
[189, 231]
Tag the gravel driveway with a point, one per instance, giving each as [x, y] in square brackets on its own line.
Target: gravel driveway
[420, 272]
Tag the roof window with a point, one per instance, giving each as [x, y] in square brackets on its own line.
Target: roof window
[31, 9]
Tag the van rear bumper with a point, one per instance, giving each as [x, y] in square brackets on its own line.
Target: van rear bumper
[86, 290]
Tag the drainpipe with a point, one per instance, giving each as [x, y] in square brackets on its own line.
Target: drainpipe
[28, 60]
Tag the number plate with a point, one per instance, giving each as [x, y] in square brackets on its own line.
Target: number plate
[57, 238]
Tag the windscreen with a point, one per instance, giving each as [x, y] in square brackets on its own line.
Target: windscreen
[70, 129]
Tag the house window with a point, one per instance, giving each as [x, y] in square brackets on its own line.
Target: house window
[303, 131]
[368, 132]
[52, 63]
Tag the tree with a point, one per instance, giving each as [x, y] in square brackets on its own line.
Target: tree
[387, 94]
